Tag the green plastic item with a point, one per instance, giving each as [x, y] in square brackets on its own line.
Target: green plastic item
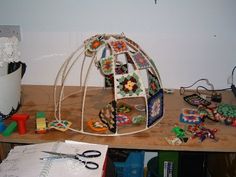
[10, 129]
[166, 158]
[40, 115]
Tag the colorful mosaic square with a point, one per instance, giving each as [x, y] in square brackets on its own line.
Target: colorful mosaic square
[108, 116]
[120, 69]
[141, 61]
[155, 107]
[107, 65]
[95, 44]
[62, 125]
[129, 85]
[153, 84]
[119, 46]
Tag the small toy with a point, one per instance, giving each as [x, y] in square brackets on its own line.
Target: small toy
[2, 126]
[180, 133]
[97, 126]
[41, 126]
[21, 122]
[10, 129]
[202, 132]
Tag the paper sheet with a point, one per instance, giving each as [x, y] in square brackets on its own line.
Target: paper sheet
[24, 161]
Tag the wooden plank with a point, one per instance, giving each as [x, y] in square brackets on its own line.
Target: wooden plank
[40, 98]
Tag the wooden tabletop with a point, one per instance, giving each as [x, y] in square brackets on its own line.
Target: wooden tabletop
[40, 98]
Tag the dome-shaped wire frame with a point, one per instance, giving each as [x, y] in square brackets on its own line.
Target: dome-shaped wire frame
[125, 84]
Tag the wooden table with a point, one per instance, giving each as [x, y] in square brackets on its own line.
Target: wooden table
[40, 98]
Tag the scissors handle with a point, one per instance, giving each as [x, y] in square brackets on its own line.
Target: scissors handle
[90, 165]
[90, 154]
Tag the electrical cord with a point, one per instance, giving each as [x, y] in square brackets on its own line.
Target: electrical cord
[232, 85]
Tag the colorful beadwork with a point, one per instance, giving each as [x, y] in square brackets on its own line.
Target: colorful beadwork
[128, 85]
[196, 100]
[190, 116]
[107, 116]
[153, 82]
[140, 60]
[155, 107]
[119, 46]
[139, 119]
[122, 119]
[62, 125]
[97, 126]
[226, 113]
[95, 44]
[107, 65]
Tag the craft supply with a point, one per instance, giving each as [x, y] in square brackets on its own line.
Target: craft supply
[21, 122]
[124, 108]
[190, 116]
[226, 113]
[62, 125]
[2, 126]
[97, 126]
[196, 100]
[180, 133]
[202, 132]
[41, 126]
[24, 160]
[172, 140]
[139, 119]
[86, 154]
[10, 129]
[122, 119]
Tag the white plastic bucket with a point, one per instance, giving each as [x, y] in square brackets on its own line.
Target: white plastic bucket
[10, 93]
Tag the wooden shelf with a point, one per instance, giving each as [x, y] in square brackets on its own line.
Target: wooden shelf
[40, 98]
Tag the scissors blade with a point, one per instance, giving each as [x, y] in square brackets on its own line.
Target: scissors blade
[60, 154]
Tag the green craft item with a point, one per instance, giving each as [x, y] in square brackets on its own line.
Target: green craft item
[10, 129]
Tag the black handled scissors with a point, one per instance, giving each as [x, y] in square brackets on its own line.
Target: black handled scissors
[86, 154]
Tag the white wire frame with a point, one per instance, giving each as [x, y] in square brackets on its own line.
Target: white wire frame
[70, 62]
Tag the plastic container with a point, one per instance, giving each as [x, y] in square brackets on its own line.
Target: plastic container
[168, 162]
[132, 167]
[152, 167]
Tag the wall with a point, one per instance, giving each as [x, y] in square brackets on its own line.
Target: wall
[188, 39]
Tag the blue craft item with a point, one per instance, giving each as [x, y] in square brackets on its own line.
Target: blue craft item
[155, 107]
[2, 126]
[190, 119]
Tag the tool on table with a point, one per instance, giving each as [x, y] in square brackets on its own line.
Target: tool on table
[86, 154]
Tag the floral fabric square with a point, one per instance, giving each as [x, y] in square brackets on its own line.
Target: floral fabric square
[155, 107]
[153, 84]
[108, 116]
[120, 69]
[107, 65]
[141, 61]
[129, 85]
[119, 46]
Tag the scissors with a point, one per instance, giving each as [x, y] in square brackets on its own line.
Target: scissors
[86, 154]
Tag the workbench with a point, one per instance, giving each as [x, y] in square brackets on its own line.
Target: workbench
[40, 98]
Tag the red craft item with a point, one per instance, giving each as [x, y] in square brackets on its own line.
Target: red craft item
[21, 122]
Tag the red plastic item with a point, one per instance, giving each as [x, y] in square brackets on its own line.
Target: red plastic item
[21, 122]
